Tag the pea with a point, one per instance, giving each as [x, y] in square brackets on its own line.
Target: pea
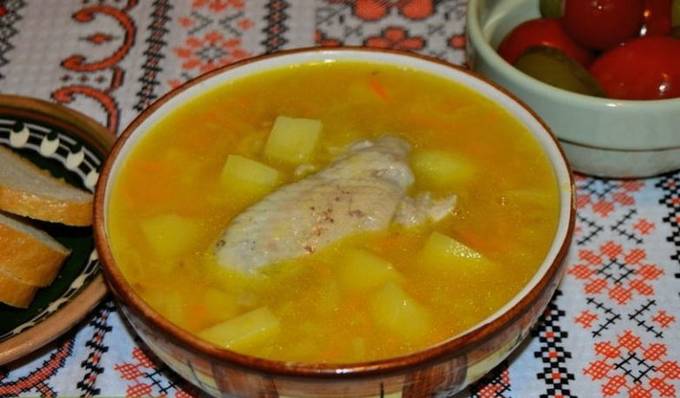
[551, 8]
[552, 67]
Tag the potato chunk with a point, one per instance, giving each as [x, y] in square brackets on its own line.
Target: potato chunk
[293, 140]
[218, 305]
[246, 177]
[170, 235]
[440, 169]
[444, 247]
[361, 270]
[441, 251]
[393, 309]
[246, 331]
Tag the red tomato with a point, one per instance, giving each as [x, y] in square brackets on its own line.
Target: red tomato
[542, 32]
[602, 24]
[644, 68]
[657, 16]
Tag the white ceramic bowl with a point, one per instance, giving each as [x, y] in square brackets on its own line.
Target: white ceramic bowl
[603, 137]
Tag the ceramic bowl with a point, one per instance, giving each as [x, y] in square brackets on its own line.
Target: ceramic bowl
[602, 137]
[71, 146]
[448, 366]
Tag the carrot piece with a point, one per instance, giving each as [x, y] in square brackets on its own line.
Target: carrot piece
[378, 89]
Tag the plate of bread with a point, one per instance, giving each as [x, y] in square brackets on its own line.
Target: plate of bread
[50, 158]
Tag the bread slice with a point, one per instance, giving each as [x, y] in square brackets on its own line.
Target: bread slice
[29, 191]
[29, 254]
[14, 292]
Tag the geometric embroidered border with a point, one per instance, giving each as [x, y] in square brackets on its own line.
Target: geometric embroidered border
[551, 352]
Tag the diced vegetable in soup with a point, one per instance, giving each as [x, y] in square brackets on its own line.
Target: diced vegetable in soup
[293, 140]
[335, 212]
[245, 177]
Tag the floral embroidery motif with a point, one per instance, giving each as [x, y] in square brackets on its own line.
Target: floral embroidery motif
[617, 273]
[213, 37]
[209, 52]
[603, 196]
[430, 27]
[629, 365]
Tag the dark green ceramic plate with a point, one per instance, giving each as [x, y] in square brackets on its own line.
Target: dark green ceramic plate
[73, 147]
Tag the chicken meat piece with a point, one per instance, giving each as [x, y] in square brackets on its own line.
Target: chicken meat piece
[363, 190]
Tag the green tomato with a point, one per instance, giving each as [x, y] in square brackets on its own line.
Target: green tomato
[675, 13]
[552, 67]
[551, 8]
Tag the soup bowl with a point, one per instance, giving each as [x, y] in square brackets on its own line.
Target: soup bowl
[449, 365]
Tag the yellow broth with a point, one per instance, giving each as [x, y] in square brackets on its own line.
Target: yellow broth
[508, 211]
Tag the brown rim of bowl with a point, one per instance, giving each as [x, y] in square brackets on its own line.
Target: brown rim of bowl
[442, 351]
[76, 309]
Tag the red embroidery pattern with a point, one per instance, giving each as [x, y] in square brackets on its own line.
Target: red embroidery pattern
[156, 42]
[37, 379]
[663, 319]
[614, 272]
[603, 196]
[211, 51]
[586, 319]
[92, 365]
[373, 10]
[495, 384]
[495, 388]
[426, 26]
[457, 41]
[630, 366]
[146, 379]
[213, 37]
[218, 5]
[396, 38]
[322, 40]
[99, 38]
[109, 76]
[644, 227]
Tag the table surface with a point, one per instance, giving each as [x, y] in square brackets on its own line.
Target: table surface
[612, 329]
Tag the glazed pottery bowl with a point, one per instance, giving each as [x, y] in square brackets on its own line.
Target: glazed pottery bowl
[450, 365]
[603, 137]
[73, 147]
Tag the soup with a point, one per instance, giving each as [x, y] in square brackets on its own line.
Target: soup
[333, 212]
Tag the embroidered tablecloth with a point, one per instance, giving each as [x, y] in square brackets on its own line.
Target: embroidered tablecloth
[612, 329]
